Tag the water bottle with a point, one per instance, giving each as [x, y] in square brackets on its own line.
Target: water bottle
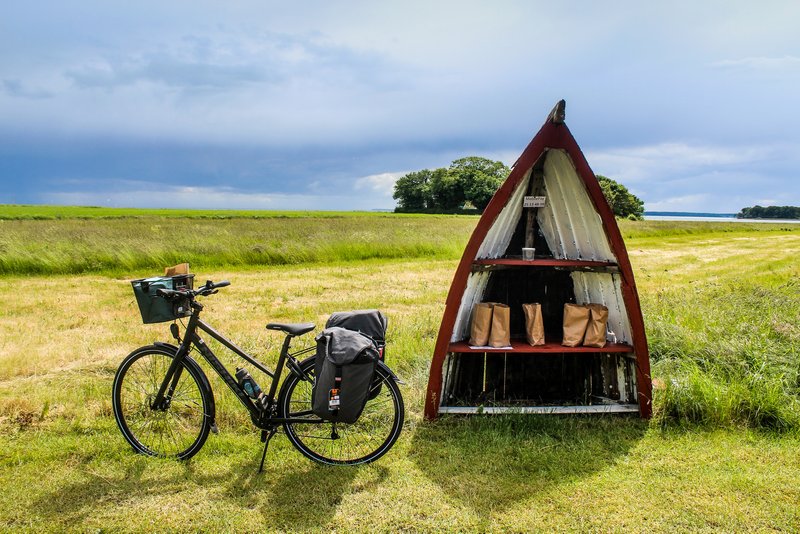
[247, 383]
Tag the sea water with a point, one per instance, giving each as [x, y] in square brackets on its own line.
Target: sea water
[709, 217]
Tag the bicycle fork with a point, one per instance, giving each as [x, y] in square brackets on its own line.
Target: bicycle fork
[163, 398]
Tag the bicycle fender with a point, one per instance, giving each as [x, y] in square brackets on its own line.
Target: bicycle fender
[162, 345]
[204, 383]
[391, 373]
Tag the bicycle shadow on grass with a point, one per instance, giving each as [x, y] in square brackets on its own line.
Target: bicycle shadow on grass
[492, 462]
[309, 497]
[294, 493]
[291, 493]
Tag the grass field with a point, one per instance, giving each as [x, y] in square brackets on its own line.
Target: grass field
[124, 245]
[45, 213]
[722, 309]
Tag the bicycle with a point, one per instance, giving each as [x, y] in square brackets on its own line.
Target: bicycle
[164, 405]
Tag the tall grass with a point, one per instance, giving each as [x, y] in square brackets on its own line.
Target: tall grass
[75, 246]
[46, 213]
[727, 354]
[59, 240]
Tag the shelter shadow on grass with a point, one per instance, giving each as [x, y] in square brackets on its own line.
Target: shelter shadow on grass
[493, 462]
[301, 496]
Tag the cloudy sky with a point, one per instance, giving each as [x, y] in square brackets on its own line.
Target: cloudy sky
[695, 106]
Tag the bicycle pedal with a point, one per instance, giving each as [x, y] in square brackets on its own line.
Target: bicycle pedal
[214, 428]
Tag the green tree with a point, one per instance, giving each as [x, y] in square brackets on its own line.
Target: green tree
[479, 178]
[447, 192]
[623, 203]
[471, 180]
[770, 212]
[413, 191]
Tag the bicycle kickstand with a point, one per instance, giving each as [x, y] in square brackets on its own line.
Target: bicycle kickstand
[266, 435]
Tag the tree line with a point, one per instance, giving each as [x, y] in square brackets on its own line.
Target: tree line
[769, 212]
[469, 183]
[623, 203]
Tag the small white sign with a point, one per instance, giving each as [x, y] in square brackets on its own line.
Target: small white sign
[533, 202]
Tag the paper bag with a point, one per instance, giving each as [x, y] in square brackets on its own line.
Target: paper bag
[481, 324]
[534, 324]
[500, 336]
[175, 270]
[596, 330]
[576, 319]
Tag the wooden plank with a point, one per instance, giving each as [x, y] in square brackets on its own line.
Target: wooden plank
[537, 178]
[543, 410]
[547, 348]
[545, 262]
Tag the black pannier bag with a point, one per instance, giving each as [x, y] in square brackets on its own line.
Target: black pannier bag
[344, 371]
[369, 322]
[372, 323]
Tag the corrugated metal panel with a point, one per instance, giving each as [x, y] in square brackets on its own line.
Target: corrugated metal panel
[499, 235]
[572, 227]
[493, 246]
[605, 289]
[476, 285]
[545, 410]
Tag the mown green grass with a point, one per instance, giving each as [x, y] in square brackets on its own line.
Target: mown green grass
[509, 474]
[680, 229]
[722, 311]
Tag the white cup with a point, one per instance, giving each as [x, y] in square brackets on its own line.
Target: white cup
[527, 253]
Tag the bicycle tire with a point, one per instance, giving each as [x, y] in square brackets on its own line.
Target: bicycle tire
[364, 441]
[179, 431]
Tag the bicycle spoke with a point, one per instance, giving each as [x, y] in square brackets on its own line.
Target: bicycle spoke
[169, 430]
[313, 437]
[368, 437]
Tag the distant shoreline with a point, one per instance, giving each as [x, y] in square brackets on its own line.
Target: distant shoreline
[708, 217]
[689, 214]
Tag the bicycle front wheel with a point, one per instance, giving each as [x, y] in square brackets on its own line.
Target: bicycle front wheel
[361, 442]
[180, 426]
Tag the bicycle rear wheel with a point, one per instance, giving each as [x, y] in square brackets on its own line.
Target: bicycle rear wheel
[178, 429]
[361, 442]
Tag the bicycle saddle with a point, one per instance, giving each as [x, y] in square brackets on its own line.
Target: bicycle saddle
[293, 329]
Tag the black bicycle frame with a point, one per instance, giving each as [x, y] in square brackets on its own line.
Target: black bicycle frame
[262, 418]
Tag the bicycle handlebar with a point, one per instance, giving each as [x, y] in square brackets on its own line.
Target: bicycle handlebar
[208, 289]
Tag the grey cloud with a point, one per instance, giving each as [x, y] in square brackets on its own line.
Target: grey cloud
[759, 63]
[232, 60]
[17, 88]
[171, 72]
